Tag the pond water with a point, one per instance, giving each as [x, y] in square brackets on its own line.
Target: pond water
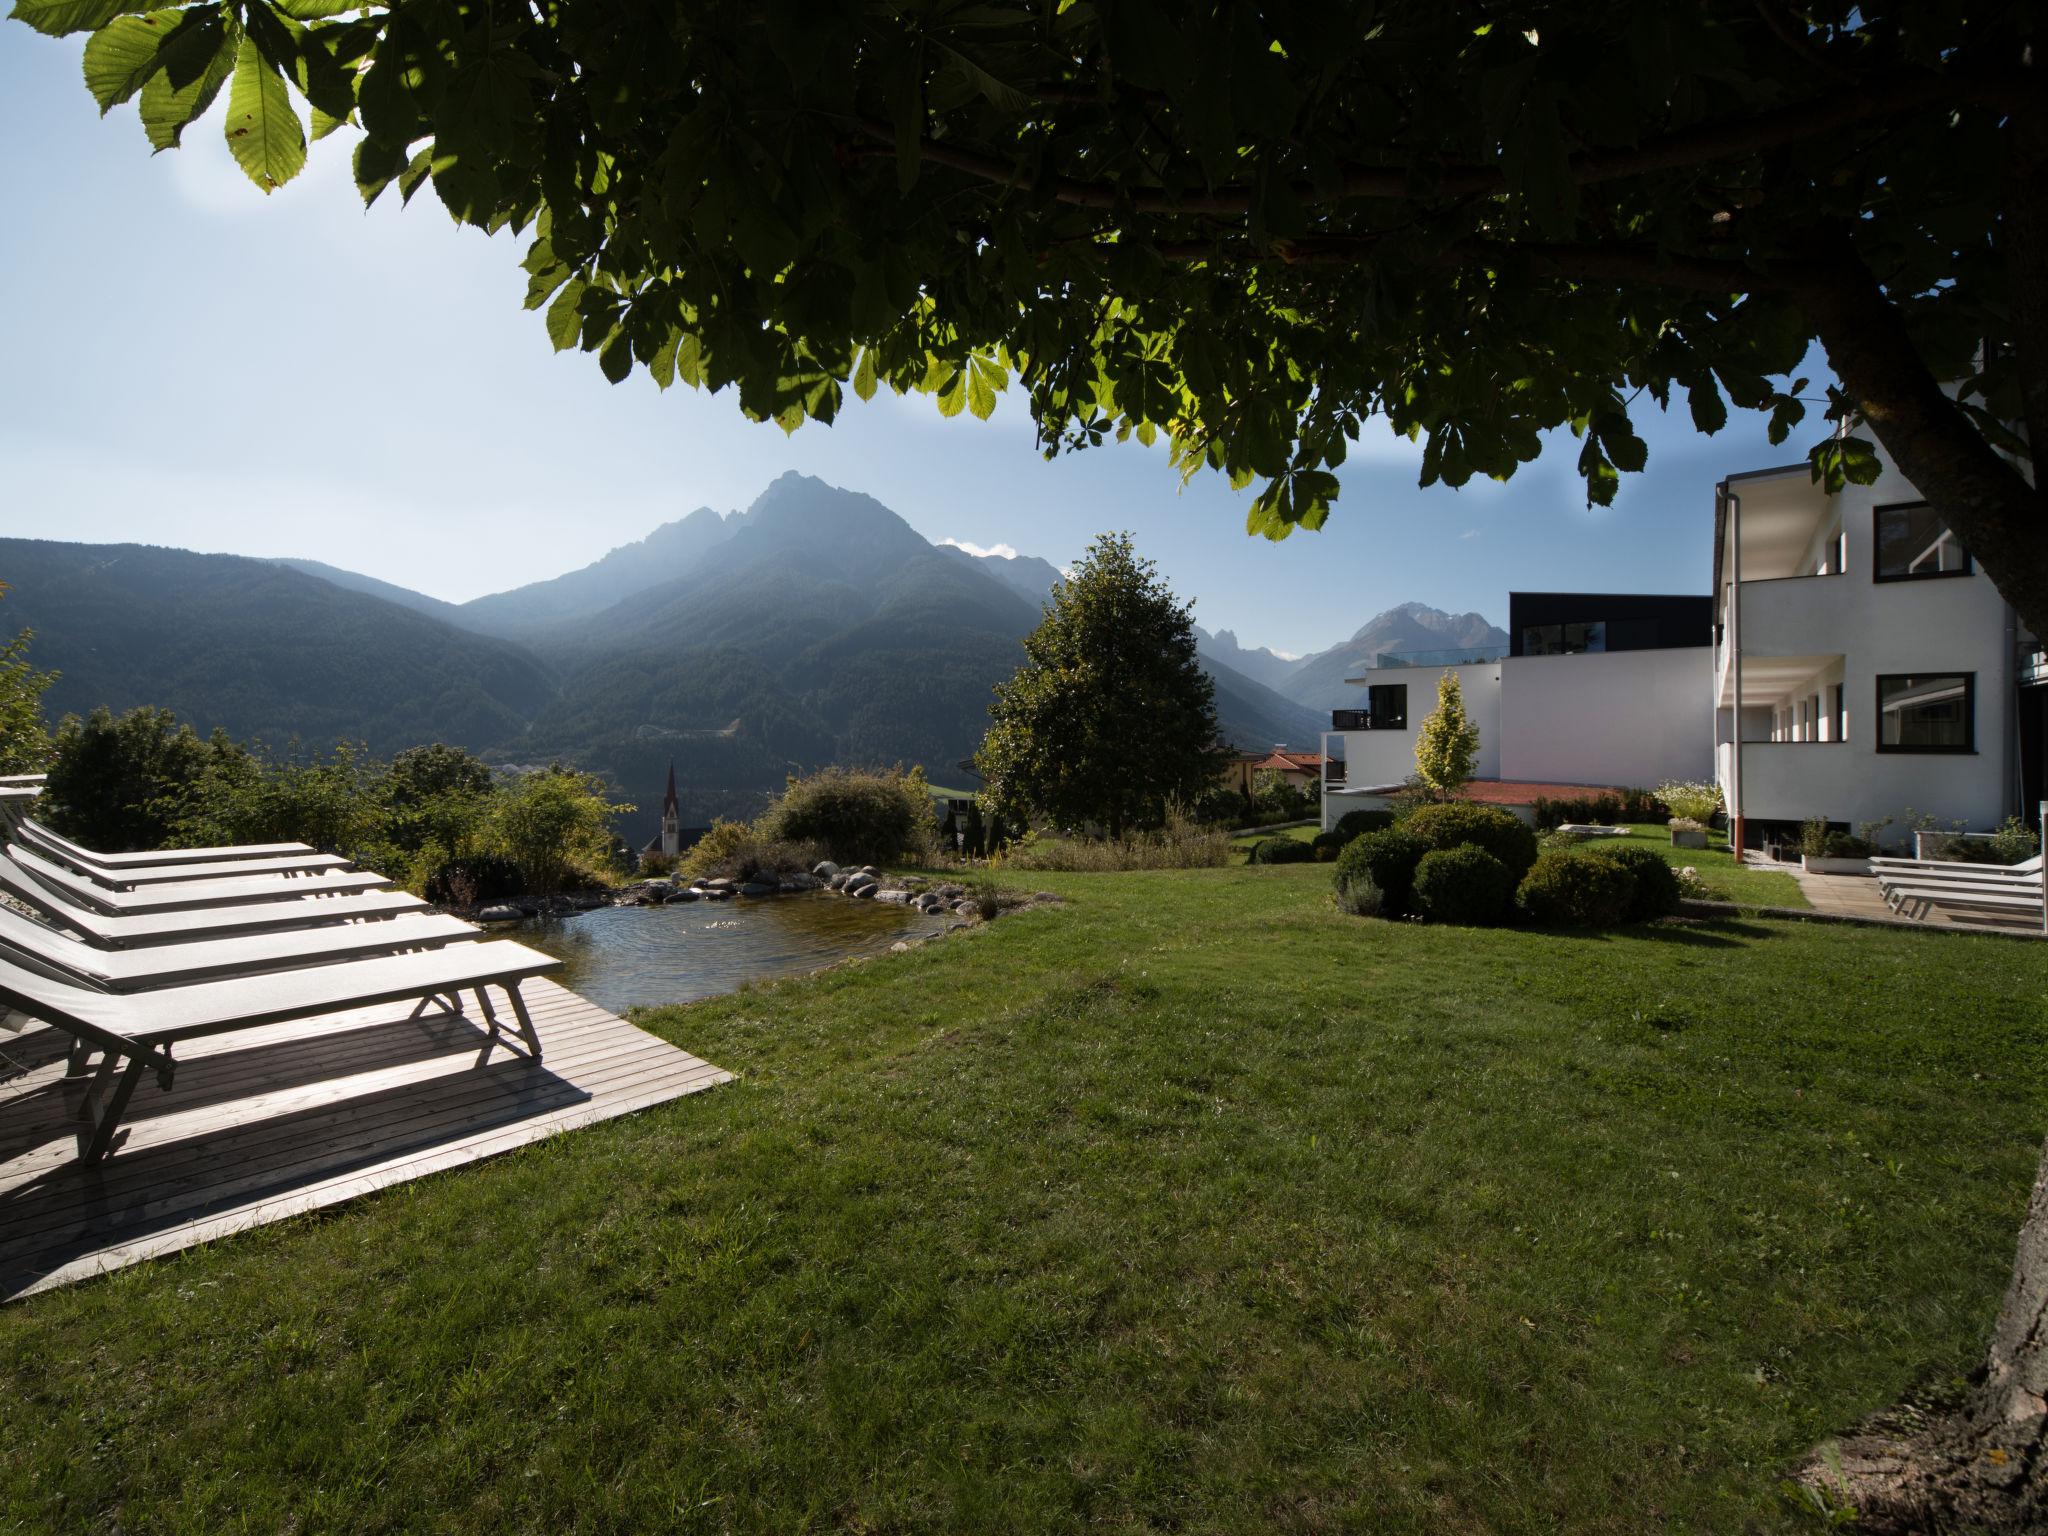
[629, 957]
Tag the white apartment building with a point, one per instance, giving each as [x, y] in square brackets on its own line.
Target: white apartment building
[1863, 665]
[1593, 690]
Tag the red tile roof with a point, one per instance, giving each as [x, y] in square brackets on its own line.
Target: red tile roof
[1292, 762]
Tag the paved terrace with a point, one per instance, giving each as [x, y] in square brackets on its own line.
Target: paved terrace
[269, 1123]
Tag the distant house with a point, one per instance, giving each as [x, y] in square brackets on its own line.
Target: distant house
[1592, 690]
[1299, 769]
[1864, 665]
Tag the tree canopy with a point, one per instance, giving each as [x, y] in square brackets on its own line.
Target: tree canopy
[1111, 718]
[1247, 228]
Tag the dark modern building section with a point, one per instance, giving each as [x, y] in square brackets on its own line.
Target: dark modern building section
[1574, 623]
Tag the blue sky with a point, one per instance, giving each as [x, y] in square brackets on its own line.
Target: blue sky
[191, 363]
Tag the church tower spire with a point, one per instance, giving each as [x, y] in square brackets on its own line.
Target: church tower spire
[671, 817]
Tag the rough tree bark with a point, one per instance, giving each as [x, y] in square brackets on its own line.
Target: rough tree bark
[1985, 1466]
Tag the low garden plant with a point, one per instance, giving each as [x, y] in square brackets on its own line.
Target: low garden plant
[1180, 844]
[1655, 889]
[1455, 823]
[1690, 802]
[1282, 850]
[1576, 890]
[1387, 859]
[1464, 885]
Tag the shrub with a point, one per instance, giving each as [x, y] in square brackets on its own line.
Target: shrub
[1281, 850]
[2012, 843]
[1360, 896]
[1327, 845]
[1357, 823]
[1657, 890]
[1387, 858]
[1601, 810]
[856, 817]
[1576, 890]
[1464, 885]
[1691, 802]
[1180, 844]
[1642, 805]
[556, 826]
[464, 882]
[1455, 823]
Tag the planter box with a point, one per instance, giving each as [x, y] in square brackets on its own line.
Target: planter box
[1814, 866]
[1688, 837]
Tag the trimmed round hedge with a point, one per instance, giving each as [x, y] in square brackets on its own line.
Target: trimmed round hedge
[1454, 823]
[1357, 823]
[1657, 892]
[1281, 850]
[1464, 885]
[1576, 890]
[1387, 859]
[1327, 845]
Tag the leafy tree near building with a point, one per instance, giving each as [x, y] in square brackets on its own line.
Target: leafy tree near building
[1447, 744]
[1111, 717]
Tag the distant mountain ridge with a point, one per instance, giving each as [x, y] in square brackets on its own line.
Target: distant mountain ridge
[815, 626]
[1318, 681]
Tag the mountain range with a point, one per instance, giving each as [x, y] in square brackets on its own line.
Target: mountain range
[815, 626]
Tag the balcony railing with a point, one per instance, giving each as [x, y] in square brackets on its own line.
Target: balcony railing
[1366, 720]
[1455, 656]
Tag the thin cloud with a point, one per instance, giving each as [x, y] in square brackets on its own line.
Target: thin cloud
[1469, 533]
[982, 552]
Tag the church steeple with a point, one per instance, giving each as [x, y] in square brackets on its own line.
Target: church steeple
[671, 816]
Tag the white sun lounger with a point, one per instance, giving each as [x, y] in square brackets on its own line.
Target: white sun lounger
[135, 876]
[239, 851]
[23, 780]
[224, 892]
[2029, 869]
[190, 924]
[63, 957]
[138, 1032]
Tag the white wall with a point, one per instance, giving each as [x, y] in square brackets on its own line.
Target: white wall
[1944, 624]
[1388, 757]
[1621, 718]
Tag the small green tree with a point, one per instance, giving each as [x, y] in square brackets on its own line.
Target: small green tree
[121, 783]
[1111, 715]
[555, 824]
[1447, 746]
[24, 743]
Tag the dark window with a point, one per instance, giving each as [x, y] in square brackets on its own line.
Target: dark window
[1927, 712]
[1841, 714]
[1387, 704]
[1564, 639]
[1913, 542]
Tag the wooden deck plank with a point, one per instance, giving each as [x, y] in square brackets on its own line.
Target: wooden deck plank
[274, 1122]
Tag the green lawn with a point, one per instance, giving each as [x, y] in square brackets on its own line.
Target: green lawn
[1190, 1204]
[1725, 879]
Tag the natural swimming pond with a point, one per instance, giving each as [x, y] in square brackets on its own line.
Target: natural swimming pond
[629, 957]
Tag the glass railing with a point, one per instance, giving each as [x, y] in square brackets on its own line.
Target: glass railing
[1454, 656]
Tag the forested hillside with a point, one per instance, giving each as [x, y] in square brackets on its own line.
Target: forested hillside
[260, 650]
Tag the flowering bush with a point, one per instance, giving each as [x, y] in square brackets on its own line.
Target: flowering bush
[1691, 802]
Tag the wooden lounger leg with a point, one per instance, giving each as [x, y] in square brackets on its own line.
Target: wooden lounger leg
[483, 1002]
[106, 1118]
[525, 1021]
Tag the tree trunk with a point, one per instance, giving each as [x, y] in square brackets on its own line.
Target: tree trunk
[1985, 1467]
[1984, 499]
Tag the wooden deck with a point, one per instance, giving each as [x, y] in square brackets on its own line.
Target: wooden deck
[273, 1122]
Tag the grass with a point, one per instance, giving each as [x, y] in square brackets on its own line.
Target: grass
[1724, 879]
[1190, 1204]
